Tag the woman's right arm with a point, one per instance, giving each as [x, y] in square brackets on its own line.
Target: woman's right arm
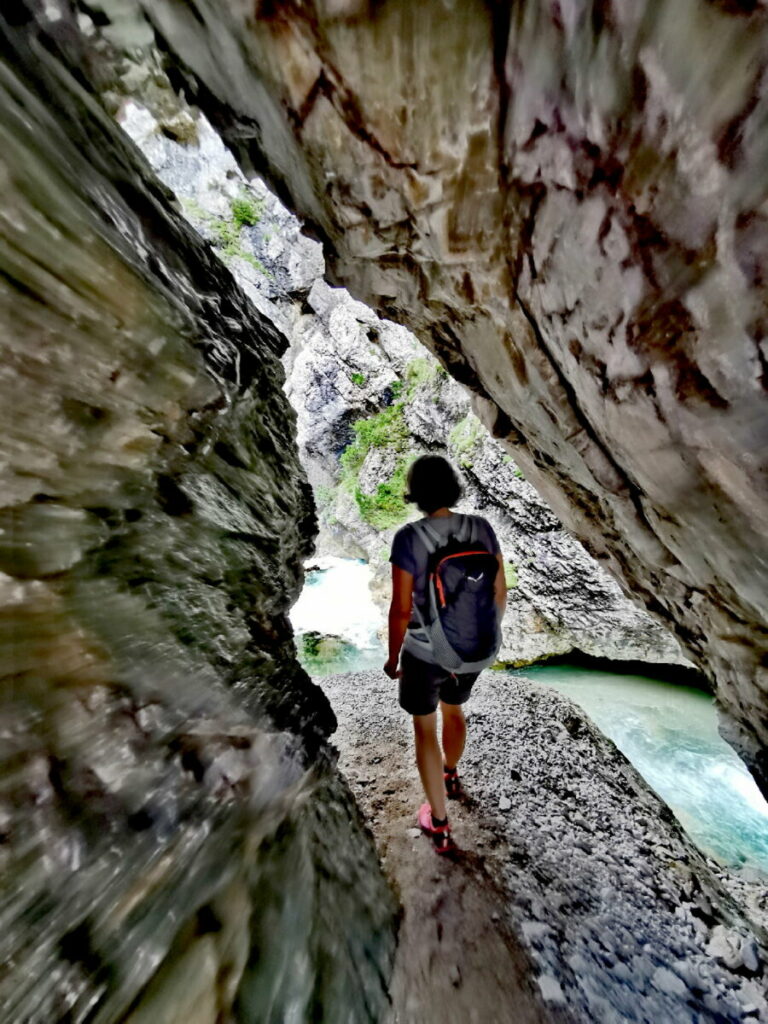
[399, 616]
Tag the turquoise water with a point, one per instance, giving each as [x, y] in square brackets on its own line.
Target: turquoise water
[669, 733]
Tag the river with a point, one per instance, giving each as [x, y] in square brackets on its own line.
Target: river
[668, 731]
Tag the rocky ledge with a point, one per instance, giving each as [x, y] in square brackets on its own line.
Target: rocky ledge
[623, 919]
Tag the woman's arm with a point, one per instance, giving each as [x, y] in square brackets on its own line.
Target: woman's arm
[500, 587]
[399, 616]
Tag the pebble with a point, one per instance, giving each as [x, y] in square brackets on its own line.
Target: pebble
[455, 976]
[505, 803]
[749, 956]
[414, 833]
[550, 989]
[533, 930]
[666, 981]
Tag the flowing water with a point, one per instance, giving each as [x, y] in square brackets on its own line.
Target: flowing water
[337, 623]
[669, 732]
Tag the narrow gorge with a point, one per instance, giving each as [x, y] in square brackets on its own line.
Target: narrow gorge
[530, 238]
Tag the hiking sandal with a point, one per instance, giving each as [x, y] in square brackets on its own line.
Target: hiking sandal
[441, 837]
[452, 783]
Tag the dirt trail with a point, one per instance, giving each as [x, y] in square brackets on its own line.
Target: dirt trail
[457, 961]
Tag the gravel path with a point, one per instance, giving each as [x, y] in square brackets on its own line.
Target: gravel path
[458, 959]
[575, 895]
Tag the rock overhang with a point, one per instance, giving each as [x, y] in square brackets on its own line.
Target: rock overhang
[567, 210]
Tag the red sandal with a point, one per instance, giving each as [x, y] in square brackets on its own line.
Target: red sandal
[440, 835]
[452, 783]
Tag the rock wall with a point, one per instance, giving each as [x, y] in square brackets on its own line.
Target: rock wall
[565, 205]
[350, 370]
[345, 365]
[168, 806]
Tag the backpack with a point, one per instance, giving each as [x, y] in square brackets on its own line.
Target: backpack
[461, 628]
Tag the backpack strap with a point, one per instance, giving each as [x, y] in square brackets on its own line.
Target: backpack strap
[429, 536]
[466, 531]
[432, 540]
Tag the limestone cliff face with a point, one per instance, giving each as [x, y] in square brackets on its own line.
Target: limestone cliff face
[154, 516]
[566, 207]
[344, 366]
[368, 399]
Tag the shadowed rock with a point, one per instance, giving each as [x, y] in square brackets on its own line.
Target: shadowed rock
[170, 820]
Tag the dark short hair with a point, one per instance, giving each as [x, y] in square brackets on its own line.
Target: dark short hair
[432, 483]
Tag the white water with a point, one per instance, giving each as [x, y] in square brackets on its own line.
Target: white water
[669, 732]
[336, 601]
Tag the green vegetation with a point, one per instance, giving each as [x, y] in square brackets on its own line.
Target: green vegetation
[420, 371]
[386, 429]
[386, 506]
[464, 438]
[246, 211]
[324, 496]
[510, 574]
[193, 209]
[518, 473]
[228, 239]
[226, 233]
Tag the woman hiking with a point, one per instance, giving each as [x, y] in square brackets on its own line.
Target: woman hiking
[448, 598]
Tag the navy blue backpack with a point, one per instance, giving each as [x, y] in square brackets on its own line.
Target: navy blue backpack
[460, 627]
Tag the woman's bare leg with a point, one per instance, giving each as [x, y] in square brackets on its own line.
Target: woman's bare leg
[430, 762]
[454, 733]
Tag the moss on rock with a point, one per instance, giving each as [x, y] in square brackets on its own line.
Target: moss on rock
[387, 429]
[464, 437]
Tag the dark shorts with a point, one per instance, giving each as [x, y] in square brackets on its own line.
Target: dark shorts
[422, 685]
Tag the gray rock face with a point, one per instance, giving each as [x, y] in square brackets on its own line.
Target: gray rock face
[568, 211]
[344, 364]
[560, 599]
[157, 730]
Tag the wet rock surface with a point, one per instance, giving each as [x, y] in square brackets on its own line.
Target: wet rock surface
[169, 810]
[620, 916]
[567, 209]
